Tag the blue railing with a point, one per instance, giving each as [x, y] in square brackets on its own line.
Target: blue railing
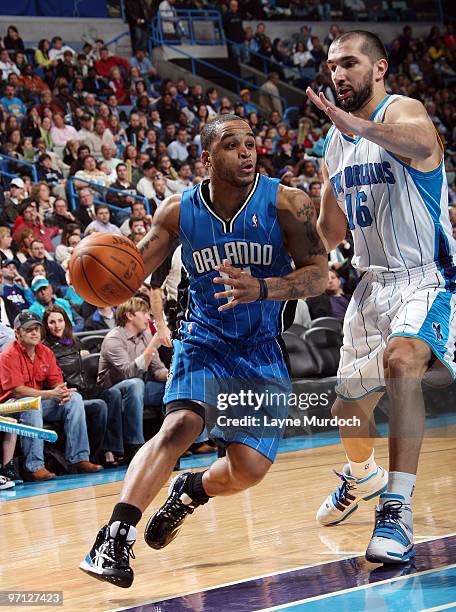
[116, 38]
[8, 175]
[97, 188]
[245, 53]
[287, 113]
[240, 82]
[178, 27]
[22, 163]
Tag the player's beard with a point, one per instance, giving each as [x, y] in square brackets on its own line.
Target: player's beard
[360, 96]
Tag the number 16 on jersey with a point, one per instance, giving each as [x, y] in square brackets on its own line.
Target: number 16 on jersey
[362, 212]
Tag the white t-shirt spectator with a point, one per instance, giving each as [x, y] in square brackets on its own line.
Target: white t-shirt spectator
[103, 227]
[57, 54]
[167, 12]
[145, 188]
[60, 136]
[8, 68]
[178, 150]
[301, 58]
[94, 141]
[178, 186]
[112, 163]
[93, 177]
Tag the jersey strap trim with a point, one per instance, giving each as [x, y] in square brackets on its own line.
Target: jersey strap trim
[418, 173]
[328, 140]
[228, 224]
[379, 107]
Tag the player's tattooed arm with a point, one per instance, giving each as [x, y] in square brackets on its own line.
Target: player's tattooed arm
[298, 221]
[297, 218]
[155, 245]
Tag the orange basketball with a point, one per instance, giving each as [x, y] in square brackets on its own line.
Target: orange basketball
[106, 269]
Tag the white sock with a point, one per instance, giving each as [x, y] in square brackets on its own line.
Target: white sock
[402, 483]
[363, 469]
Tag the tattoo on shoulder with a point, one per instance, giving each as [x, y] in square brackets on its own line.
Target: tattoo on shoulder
[314, 244]
[307, 215]
[307, 211]
[147, 241]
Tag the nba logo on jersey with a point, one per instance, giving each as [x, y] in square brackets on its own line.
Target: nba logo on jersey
[254, 221]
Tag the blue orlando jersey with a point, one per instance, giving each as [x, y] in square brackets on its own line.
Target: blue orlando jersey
[251, 240]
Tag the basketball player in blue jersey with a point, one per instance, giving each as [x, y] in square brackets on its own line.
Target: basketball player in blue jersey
[240, 233]
[384, 177]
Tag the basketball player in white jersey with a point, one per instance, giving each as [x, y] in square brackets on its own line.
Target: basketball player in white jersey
[384, 177]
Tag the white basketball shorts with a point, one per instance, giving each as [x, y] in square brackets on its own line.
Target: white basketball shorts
[416, 303]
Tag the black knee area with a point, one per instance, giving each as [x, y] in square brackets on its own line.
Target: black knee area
[191, 405]
[182, 425]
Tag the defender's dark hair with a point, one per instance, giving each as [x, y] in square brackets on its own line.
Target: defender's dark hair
[210, 130]
[371, 44]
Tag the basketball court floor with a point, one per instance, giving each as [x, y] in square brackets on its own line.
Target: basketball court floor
[260, 550]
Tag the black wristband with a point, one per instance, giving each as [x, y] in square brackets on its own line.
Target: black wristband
[263, 290]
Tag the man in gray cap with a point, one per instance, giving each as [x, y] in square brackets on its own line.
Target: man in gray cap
[28, 368]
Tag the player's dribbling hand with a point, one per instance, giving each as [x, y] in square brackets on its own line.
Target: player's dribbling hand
[346, 123]
[244, 287]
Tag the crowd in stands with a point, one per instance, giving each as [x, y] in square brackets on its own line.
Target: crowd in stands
[314, 10]
[93, 142]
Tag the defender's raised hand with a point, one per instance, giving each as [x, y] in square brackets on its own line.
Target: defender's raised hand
[345, 122]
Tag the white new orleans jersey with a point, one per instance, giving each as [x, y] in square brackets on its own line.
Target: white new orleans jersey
[398, 215]
[403, 242]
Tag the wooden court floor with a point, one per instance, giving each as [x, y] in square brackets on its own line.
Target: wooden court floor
[268, 529]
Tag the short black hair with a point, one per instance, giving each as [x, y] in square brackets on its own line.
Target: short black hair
[371, 44]
[101, 207]
[210, 130]
[134, 220]
[148, 165]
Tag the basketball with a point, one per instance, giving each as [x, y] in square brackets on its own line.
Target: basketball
[106, 269]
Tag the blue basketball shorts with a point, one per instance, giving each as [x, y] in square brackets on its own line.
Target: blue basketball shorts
[247, 388]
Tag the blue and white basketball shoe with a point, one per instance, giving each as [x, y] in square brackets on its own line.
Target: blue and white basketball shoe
[342, 502]
[392, 540]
